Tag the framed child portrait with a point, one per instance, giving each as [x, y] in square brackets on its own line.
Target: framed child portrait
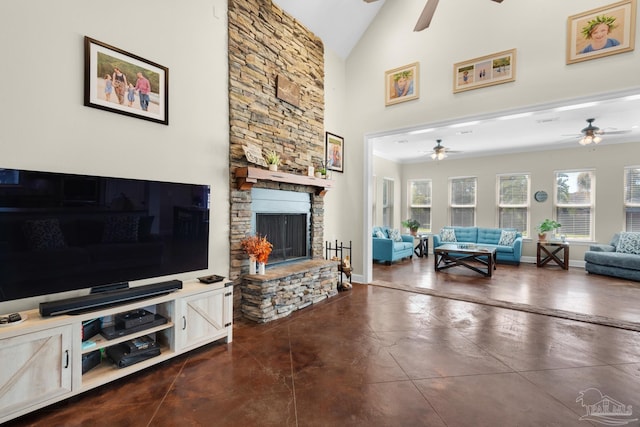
[334, 152]
[124, 83]
[604, 31]
[402, 84]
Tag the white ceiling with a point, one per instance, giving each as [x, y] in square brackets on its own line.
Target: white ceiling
[543, 127]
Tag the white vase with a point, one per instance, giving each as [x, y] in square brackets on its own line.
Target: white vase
[273, 168]
[252, 265]
[261, 268]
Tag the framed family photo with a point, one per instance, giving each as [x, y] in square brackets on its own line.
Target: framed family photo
[485, 71]
[124, 83]
[402, 84]
[334, 152]
[605, 31]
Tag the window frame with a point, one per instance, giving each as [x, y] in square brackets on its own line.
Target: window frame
[526, 205]
[627, 204]
[591, 205]
[410, 204]
[453, 206]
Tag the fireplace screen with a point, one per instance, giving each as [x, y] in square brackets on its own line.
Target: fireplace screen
[287, 232]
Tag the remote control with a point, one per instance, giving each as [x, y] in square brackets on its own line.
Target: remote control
[14, 317]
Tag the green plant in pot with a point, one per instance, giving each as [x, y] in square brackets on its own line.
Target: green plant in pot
[412, 225]
[273, 160]
[546, 226]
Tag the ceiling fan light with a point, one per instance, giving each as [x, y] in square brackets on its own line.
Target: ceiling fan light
[597, 139]
[434, 156]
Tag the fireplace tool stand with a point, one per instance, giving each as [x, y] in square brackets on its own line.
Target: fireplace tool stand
[342, 255]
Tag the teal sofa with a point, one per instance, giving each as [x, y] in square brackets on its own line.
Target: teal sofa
[617, 259]
[386, 250]
[508, 251]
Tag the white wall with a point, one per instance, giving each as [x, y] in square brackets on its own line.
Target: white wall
[44, 125]
[462, 30]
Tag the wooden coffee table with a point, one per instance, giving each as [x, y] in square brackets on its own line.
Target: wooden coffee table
[464, 256]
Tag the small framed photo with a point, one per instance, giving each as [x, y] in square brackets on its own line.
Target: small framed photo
[605, 31]
[124, 83]
[485, 71]
[334, 152]
[402, 84]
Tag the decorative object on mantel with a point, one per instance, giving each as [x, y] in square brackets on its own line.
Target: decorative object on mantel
[287, 90]
[273, 160]
[246, 177]
[258, 248]
[253, 153]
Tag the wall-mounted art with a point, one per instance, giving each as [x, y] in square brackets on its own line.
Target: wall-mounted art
[485, 71]
[287, 90]
[124, 83]
[402, 84]
[335, 152]
[605, 31]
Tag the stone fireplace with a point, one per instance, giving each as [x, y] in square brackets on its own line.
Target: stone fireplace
[264, 44]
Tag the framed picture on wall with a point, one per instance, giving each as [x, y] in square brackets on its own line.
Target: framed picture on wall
[402, 84]
[124, 83]
[604, 31]
[334, 150]
[485, 71]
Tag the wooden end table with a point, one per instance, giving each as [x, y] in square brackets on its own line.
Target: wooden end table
[422, 248]
[547, 251]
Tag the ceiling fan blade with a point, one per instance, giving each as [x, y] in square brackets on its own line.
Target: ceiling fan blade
[497, 1]
[426, 15]
[371, 1]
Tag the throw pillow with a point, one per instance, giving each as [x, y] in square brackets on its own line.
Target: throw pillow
[395, 235]
[507, 237]
[629, 243]
[380, 234]
[121, 229]
[44, 234]
[448, 235]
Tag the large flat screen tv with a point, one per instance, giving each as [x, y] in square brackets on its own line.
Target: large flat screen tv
[61, 232]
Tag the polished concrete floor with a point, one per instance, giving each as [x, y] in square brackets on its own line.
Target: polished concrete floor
[375, 356]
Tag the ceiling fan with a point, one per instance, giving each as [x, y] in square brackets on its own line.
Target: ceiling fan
[591, 133]
[427, 13]
[440, 152]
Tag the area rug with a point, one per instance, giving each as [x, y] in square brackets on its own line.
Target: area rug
[563, 314]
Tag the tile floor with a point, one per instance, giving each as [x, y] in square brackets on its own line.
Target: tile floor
[375, 356]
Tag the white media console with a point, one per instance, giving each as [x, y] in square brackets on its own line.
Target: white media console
[42, 356]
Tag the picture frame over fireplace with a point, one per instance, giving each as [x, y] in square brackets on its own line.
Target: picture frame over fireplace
[334, 152]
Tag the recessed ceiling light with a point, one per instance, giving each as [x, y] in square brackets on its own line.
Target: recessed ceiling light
[418, 132]
[402, 141]
[576, 106]
[464, 132]
[516, 116]
[460, 125]
[548, 120]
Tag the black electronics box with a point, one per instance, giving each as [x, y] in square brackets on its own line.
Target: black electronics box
[112, 332]
[133, 351]
[90, 328]
[90, 360]
[133, 318]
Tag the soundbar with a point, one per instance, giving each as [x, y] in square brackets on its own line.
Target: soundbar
[81, 304]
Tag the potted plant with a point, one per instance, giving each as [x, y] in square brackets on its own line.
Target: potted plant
[273, 160]
[545, 226]
[412, 225]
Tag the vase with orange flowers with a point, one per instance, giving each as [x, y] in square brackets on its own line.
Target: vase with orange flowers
[258, 248]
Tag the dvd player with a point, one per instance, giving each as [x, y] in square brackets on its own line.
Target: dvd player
[112, 332]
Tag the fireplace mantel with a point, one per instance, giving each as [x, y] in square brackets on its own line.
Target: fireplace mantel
[246, 177]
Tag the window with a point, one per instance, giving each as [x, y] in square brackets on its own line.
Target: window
[513, 202]
[420, 203]
[632, 198]
[387, 202]
[574, 203]
[462, 206]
